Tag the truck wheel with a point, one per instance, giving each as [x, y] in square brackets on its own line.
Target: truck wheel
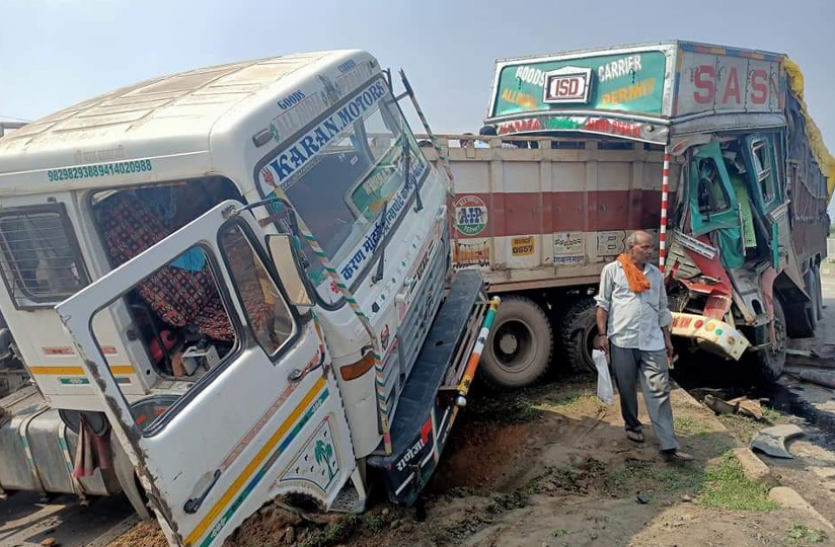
[803, 325]
[815, 304]
[802, 318]
[818, 292]
[577, 332]
[772, 361]
[518, 350]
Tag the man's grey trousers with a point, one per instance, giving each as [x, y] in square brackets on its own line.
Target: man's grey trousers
[651, 366]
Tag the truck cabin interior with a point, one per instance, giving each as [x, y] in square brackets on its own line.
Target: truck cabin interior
[729, 187]
[178, 311]
[732, 186]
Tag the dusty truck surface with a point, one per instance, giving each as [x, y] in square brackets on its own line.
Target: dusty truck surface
[228, 285]
[710, 148]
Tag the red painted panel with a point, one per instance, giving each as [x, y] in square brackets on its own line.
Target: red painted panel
[569, 212]
[522, 213]
[512, 214]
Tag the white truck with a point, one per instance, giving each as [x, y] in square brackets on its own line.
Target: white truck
[234, 283]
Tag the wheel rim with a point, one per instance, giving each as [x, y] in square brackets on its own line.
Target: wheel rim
[514, 345]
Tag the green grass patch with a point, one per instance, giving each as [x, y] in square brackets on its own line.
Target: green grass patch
[721, 485]
[373, 522]
[743, 428]
[688, 426]
[803, 535]
[727, 487]
[566, 401]
[772, 415]
[654, 478]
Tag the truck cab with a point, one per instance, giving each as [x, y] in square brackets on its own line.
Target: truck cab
[238, 270]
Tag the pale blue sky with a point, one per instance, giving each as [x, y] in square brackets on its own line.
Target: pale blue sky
[54, 53]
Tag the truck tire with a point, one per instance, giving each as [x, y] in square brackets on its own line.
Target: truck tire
[814, 305]
[518, 350]
[577, 331]
[772, 361]
[803, 318]
[818, 291]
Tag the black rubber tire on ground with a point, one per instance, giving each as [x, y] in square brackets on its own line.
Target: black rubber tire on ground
[772, 361]
[819, 291]
[578, 328]
[814, 305]
[518, 350]
[802, 319]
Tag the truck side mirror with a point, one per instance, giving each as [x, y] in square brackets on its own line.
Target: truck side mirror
[284, 259]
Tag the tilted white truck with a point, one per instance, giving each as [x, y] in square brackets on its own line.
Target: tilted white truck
[231, 282]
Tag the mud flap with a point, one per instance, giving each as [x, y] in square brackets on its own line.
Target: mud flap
[424, 416]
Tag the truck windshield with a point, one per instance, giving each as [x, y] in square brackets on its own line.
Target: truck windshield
[344, 189]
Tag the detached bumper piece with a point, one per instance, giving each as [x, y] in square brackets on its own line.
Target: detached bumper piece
[713, 335]
[427, 406]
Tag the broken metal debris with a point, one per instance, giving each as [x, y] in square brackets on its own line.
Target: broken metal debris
[740, 405]
[772, 440]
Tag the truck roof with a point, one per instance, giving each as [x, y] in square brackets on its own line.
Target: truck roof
[642, 92]
[181, 108]
[652, 92]
[671, 44]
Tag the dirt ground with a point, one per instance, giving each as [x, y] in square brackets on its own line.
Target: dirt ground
[551, 467]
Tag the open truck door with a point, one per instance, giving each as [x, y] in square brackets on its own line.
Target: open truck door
[713, 203]
[265, 419]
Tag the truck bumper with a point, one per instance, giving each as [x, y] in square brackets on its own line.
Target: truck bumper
[427, 408]
[711, 335]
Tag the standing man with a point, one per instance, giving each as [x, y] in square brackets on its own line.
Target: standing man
[634, 325]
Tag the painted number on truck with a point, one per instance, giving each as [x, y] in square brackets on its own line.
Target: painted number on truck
[522, 246]
[101, 170]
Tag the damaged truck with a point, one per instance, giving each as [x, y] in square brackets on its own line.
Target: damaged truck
[228, 285]
[711, 149]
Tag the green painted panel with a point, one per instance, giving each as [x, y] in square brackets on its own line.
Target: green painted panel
[631, 82]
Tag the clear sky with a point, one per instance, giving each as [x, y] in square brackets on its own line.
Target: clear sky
[54, 53]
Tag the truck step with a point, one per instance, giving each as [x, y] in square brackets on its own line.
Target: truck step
[419, 429]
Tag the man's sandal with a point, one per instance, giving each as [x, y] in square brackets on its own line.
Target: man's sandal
[677, 456]
[635, 436]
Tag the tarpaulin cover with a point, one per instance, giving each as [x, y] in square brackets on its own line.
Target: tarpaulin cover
[825, 160]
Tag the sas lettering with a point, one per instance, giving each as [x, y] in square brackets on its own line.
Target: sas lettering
[292, 100]
[706, 91]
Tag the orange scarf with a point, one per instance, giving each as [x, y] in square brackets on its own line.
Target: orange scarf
[638, 282]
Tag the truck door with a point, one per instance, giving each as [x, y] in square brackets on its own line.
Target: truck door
[764, 176]
[264, 419]
[713, 203]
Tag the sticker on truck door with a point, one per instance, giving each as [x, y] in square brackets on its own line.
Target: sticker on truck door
[470, 215]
